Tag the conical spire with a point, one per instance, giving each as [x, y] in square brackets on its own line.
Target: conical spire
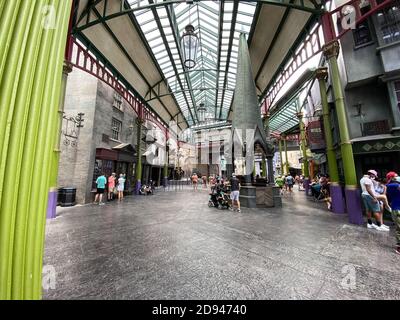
[246, 112]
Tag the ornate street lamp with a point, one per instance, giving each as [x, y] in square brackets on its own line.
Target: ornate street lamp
[190, 44]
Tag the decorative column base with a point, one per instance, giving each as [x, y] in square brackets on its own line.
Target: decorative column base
[52, 203]
[138, 186]
[353, 205]
[306, 185]
[248, 197]
[338, 202]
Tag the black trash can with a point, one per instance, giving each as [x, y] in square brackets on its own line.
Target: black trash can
[67, 197]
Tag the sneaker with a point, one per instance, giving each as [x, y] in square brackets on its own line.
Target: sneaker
[101, 204]
[238, 210]
[398, 250]
[381, 228]
[385, 226]
[372, 226]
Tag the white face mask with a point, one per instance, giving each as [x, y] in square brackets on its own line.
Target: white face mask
[397, 179]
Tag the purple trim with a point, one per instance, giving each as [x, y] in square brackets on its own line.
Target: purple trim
[137, 187]
[306, 186]
[353, 203]
[338, 202]
[52, 205]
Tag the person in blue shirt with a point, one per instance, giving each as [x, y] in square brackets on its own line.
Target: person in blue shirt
[393, 194]
[101, 186]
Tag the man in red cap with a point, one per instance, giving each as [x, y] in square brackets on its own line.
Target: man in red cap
[393, 193]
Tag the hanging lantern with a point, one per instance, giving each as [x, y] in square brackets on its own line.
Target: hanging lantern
[201, 112]
[190, 44]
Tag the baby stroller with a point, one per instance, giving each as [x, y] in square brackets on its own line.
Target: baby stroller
[218, 198]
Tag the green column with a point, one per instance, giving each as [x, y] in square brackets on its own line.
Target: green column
[322, 74]
[165, 171]
[303, 144]
[280, 155]
[331, 51]
[138, 173]
[286, 156]
[31, 64]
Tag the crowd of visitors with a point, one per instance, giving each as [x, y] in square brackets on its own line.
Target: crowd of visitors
[115, 187]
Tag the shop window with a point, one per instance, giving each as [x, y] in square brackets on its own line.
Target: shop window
[397, 92]
[116, 126]
[389, 22]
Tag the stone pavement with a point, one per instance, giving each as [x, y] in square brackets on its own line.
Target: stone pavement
[173, 246]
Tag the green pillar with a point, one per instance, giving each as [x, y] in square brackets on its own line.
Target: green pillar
[31, 65]
[322, 74]
[280, 155]
[352, 194]
[286, 156]
[331, 51]
[303, 144]
[138, 173]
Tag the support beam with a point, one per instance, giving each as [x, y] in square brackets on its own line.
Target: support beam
[338, 204]
[31, 64]
[138, 169]
[353, 201]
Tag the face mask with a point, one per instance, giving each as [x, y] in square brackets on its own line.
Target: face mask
[397, 179]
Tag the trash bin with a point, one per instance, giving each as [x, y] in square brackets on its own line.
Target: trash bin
[67, 197]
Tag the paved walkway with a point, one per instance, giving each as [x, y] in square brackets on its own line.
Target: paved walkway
[172, 246]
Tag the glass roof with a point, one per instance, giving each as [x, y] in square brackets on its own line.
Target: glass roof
[218, 25]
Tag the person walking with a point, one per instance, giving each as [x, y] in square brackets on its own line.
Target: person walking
[290, 182]
[235, 193]
[370, 201]
[195, 179]
[111, 186]
[121, 187]
[101, 186]
[393, 194]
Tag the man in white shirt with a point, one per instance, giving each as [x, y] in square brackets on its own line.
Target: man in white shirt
[371, 203]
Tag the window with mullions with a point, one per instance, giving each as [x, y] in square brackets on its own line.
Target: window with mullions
[362, 34]
[397, 92]
[389, 23]
[116, 126]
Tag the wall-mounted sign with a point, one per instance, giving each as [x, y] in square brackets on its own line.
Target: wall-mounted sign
[315, 135]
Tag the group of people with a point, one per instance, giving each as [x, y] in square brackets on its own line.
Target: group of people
[378, 195]
[212, 180]
[115, 187]
[220, 186]
[285, 183]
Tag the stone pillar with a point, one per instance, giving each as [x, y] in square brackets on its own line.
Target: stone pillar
[264, 167]
[31, 65]
[338, 203]
[353, 198]
[138, 173]
[270, 171]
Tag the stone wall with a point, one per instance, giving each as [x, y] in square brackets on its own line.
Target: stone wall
[76, 163]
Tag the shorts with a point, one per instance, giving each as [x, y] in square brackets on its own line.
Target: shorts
[235, 195]
[100, 190]
[120, 189]
[369, 203]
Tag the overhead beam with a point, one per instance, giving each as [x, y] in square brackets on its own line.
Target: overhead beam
[228, 59]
